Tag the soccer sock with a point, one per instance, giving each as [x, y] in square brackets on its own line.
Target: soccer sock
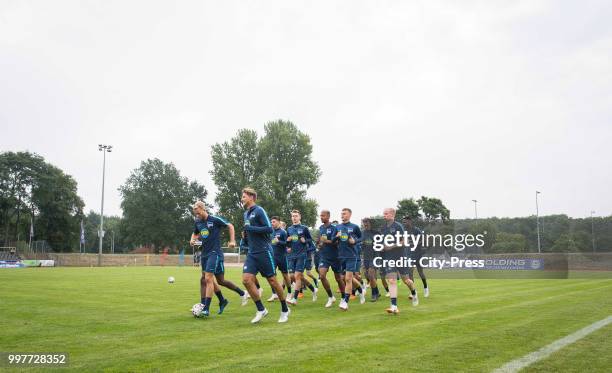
[347, 297]
[258, 287]
[394, 301]
[329, 293]
[273, 291]
[387, 289]
[375, 290]
[284, 306]
[295, 295]
[413, 292]
[359, 290]
[207, 303]
[311, 287]
[202, 300]
[259, 305]
[239, 291]
[316, 283]
[424, 282]
[219, 296]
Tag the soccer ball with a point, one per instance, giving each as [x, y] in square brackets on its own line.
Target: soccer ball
[197, 309]
[171, 280]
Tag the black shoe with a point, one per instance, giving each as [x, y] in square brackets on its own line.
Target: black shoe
[222, 306]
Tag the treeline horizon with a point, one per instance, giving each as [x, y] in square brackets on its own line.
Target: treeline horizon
[156, 201]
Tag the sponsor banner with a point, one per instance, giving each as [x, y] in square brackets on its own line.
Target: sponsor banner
[11, 264]
[517, 264]
[31, 263]
[47, 263]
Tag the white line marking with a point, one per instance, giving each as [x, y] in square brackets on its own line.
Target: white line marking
[518, 364]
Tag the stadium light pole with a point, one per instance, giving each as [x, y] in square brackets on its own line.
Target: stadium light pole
[475, 209]
[592, 231]
[104, 149]
[538, 223]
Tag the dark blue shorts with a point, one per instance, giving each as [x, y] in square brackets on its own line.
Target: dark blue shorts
[297, 263]
[308, 261]
[213, 263]
[281, 263]
[349, 264]
[334, 264]
[260, 262]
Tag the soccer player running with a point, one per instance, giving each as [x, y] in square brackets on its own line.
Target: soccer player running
[395, 252]
[279, 246]
[369, 254]
[207, 228]
[329, 257]
[259, 259]
[347, 237]
[298, 240]
[416, 254]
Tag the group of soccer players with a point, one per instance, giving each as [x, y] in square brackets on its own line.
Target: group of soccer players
[343, 247]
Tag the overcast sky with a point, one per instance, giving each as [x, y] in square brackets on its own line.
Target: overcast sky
[458, 100]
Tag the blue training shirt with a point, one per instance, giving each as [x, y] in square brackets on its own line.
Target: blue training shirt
[345, 249]
[209, 231]
[328, 250]
[258, 230]
[296, 232]
[279, 242]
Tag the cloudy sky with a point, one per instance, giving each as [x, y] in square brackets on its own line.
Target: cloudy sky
[486, 100]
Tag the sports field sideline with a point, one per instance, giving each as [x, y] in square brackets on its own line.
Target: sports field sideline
[131, 319]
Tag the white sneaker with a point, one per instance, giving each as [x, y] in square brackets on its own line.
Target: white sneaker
[362, 298]
[314, 294]
[259, 315]
[292, 301]
[426, 292]
[415, 300]
[393, 310]
[272, 298]
[260, 290]
[284, 317]
[343, 305]
[330, 301]
[387, 294]
[245, 298]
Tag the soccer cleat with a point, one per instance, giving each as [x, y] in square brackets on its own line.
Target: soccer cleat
[387, 294]
[272, 298]
[314, 294]
[362, 298]
[259, 315]
[222, 306]
[245, 299]
[205, 313]
[426, 292]
[375, 297]
[393, 310]
[415, 300]
[343, 305]
[330, 301]
[352, 297]
[292, 301]
[300, 295]
[284, 317]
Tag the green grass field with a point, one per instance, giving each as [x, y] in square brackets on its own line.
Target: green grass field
[131, 319]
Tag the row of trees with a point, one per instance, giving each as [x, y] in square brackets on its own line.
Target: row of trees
[156, 201]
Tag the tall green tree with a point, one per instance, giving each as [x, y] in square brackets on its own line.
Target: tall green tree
[278, 165]
[433, 209]
[156, 204]
[408, 207]
[32, 189]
